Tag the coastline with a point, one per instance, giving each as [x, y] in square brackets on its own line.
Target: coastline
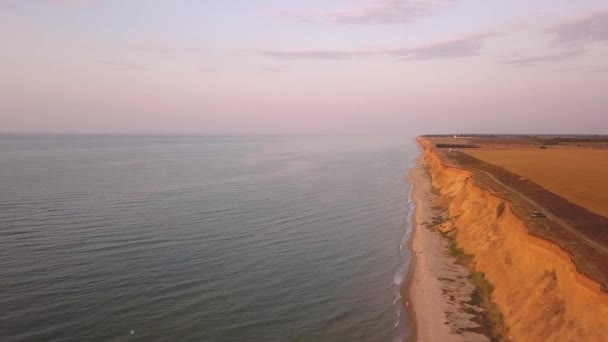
[438, 290]
[407, 285]
[490, 227]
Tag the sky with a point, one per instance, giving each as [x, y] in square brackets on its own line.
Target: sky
[332, 66]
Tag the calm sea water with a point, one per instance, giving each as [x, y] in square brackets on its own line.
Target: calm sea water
[203, 238]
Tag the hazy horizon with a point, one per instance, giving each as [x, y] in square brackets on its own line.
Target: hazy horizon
[303, 67]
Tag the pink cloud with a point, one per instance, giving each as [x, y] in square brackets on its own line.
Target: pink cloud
[375, 12]
[166, 48]
[543, 58]
[590, 28]
[122, 65]
[457, 48]
[571, 38]
[20, 6]
[73, 2]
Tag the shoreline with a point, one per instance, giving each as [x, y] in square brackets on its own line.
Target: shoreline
[407, 284]
[437, 290]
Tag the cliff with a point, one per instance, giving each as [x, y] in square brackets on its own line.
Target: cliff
[536, 285]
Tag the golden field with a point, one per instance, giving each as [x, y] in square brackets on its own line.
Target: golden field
[579, 175]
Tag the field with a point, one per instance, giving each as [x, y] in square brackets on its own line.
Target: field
[569, 184]
[576, 174]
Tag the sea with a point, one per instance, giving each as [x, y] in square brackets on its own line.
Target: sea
[204, 238]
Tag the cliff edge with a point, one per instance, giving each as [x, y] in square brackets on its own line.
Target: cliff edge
[537, 287]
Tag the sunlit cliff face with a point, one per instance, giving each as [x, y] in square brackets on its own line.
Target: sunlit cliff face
[537, 287]
[303, 66]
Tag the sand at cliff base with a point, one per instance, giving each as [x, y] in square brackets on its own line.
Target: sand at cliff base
[439, 286]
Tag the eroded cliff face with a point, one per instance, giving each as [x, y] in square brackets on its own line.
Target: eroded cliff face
[537, 287]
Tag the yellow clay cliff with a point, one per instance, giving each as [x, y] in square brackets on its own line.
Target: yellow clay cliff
[537, 287]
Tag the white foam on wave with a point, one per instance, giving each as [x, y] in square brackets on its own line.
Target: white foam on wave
[398, 278]
[401, 325]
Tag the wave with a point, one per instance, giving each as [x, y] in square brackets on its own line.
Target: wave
[402, 324]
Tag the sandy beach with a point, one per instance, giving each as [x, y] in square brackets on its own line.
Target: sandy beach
[440, 289]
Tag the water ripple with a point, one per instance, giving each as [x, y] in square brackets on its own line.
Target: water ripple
[201, 239]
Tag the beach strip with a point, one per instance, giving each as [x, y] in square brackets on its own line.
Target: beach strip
[439, 288]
